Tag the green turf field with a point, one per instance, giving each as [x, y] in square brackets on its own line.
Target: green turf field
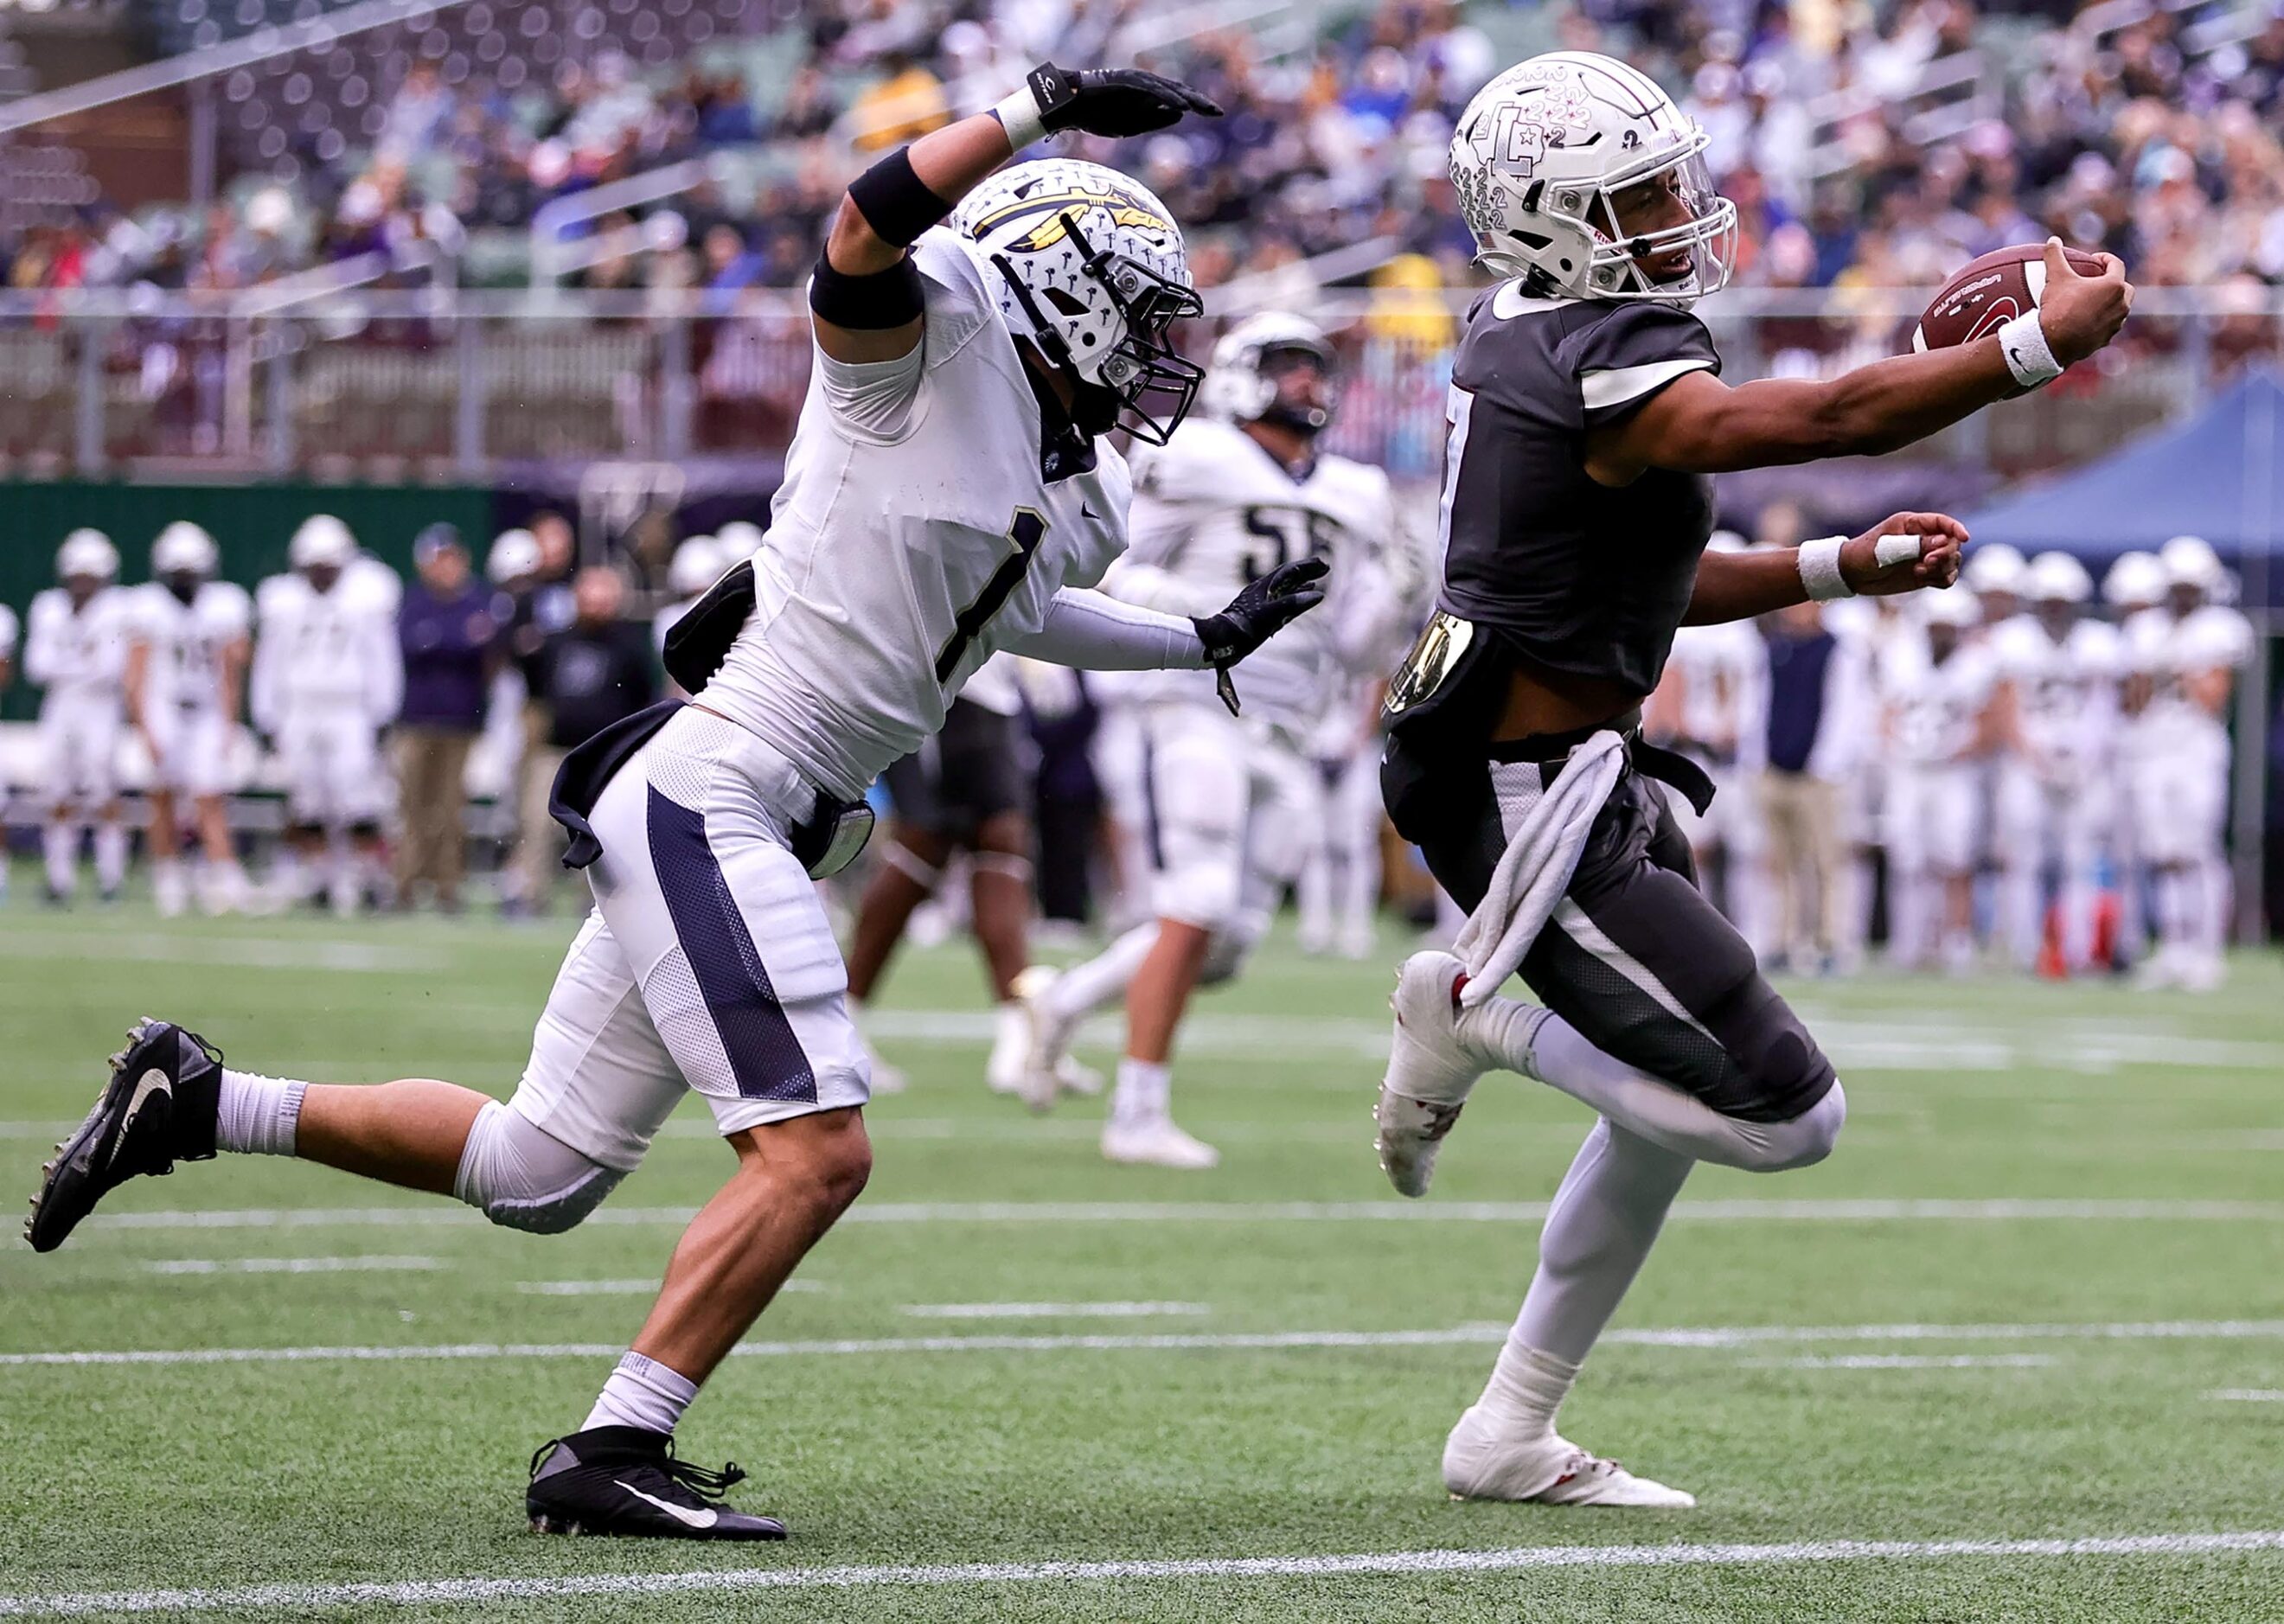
[2000, 1316]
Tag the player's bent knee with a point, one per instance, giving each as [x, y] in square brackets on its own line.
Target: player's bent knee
[521, 1177]
[1809, 1138]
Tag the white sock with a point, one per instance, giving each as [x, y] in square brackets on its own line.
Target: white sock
[642, 1393]
[1083, 988]
[260, 1116]
[1144, 1088]
[111, 854]
[59, 844]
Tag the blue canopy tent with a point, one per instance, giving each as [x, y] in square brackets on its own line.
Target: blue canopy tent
[2220, 475]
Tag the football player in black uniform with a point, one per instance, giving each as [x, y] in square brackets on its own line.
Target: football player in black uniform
[1586, 412]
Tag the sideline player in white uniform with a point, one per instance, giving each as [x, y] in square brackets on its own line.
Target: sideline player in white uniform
[9, 628]
[75, 648]
[1229, 799]
[1713, 706]
[186, 663]
[2184, 657]
[328, 675]
[1938, 693]
[2134, 583]
[696, 565]
[1337, 893]
[2057, 725]
[949, 492]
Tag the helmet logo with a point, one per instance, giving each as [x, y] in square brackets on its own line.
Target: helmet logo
[1125, 210]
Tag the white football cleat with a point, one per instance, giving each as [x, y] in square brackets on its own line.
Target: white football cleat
[1479, 1463]
[1430, 1072]
[1041, 1077]
[1156, 1142]
[1011, 1044]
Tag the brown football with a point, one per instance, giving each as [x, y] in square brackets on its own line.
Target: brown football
[1990, 291]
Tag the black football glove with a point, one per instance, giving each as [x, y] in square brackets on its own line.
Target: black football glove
[1112, 101]
[1257, 614]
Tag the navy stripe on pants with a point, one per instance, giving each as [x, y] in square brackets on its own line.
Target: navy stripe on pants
[764, 1055]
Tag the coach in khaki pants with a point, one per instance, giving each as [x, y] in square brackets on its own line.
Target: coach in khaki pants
[448, 629]
[1817, 718]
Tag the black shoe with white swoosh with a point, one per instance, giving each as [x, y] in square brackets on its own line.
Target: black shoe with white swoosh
[625, 1480]
[158, 1109]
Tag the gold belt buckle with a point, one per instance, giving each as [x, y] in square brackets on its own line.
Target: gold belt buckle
[1442, 641]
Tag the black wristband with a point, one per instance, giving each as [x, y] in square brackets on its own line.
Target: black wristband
[870, 302]
[895, 201]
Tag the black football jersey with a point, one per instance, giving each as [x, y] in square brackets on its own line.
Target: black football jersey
[1574, 575]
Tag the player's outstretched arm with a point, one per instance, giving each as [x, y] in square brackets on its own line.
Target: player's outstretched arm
[864, 295]
[1902, 553]
[1699, 425]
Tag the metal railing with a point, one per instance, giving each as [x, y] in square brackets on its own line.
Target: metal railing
[437, 384]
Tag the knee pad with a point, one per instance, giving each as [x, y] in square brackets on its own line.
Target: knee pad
[911, 865]
[1006, 865]
[522, 1178]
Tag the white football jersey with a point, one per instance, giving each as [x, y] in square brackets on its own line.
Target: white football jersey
[1935, 708]
[332, 652]
[1213, 511]
[183, 671]
[913, 536]
[2066, 690]
[1725, 688]
[2168, 648]
[78, 653]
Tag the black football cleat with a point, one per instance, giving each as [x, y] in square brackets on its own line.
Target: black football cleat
[625, 1480]
[158, 1109]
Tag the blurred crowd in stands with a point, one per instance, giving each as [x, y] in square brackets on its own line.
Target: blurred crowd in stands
[2148, 142]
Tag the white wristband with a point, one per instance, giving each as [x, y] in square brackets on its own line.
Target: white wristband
[1820, 569]
[2029, 356]
[1019, 116]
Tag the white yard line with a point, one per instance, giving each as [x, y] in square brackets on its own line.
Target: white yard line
[1048, 1310]
[1270, 1341]
[1907, 1361]
[234, 952]
[291, 1266]
[1997, 1210]
[2248, 1395]
[448, 1592]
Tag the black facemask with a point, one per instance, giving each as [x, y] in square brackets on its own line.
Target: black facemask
[184, 584]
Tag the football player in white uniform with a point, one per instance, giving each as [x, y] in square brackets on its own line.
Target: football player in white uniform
[2183, 658]
[1713, 706]
[191, 639]
[9, 630]
[75, 648]
[1939, 729]
[1229, 799]
[951, 491]
[2057, 726]
[2134, 583]
[1338, 891]
[328, 675]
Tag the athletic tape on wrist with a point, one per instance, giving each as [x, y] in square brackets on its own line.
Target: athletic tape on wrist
[1820, 569]
[1019, 115]
[2023, 341]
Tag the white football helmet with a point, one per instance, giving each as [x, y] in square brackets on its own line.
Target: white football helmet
[514, 554]
[1560, 164]
[1241, 380]
[183, 549]
[2057, 578]
[322, 541]
[1956, 607]
[2190, 561]
[1995, 568]
[87, 552]
[697, 563]
[1090, 269]
[2136, 581]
